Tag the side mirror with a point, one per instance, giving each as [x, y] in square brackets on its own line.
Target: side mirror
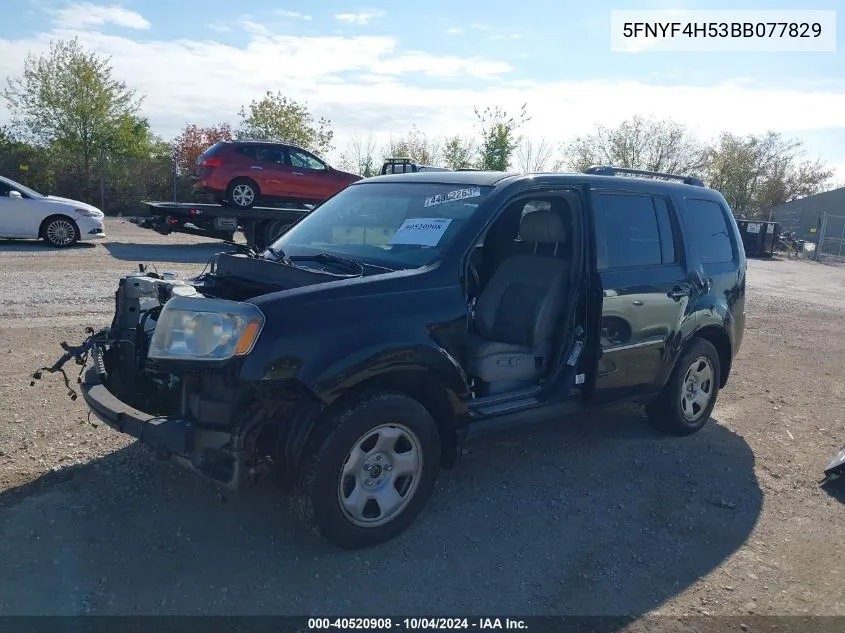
[15, 194]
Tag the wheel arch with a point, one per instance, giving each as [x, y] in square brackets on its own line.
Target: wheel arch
[422, 386]
[246, 179]
[717, 337]
[57, 216]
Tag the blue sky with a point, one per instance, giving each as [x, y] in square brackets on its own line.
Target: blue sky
[379, 67]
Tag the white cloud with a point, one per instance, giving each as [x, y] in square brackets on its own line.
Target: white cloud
[454, 31]
[292, 14]
[369, 84]
[220, 28]
[86, 15]
[364, 17]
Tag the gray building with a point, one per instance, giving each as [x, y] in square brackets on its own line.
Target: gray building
[804, 216]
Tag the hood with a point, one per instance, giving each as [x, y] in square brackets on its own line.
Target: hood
[74, 203]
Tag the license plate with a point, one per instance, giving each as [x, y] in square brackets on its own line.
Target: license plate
[226, 224]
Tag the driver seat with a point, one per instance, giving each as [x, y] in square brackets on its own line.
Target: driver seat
[518, 311]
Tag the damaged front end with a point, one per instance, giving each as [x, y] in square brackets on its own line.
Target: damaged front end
[167, 373]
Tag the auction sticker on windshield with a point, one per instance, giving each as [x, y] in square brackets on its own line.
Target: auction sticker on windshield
[452, 196]
[421, 231]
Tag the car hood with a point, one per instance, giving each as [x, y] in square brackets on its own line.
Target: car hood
[76, 204]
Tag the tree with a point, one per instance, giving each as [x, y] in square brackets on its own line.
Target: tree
[416, 146]
[360, 158]
[67, 99]
[458, 152]
[498, 136]
[533, 158]
[755, 173]
[276, 117]
[194, 140]
[639, 143]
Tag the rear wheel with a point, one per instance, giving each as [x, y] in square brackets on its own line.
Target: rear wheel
[370, 470]
[60, 232]
[243, 193]
[687, 400]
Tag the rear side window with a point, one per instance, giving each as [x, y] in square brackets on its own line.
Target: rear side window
[632, 231]
[264, 153]
[711, 231]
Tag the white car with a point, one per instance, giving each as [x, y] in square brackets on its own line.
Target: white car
[61, 222]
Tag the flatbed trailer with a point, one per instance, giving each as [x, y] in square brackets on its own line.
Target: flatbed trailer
[260, 225]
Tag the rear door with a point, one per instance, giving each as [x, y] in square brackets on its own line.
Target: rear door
[311, 176]
[646, 289]
[265, 164]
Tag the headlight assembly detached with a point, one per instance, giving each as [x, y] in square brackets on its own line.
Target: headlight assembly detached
[197, 329]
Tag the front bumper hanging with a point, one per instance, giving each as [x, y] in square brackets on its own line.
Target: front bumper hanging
[168, 434]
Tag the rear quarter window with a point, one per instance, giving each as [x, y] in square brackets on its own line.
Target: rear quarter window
[711, 230]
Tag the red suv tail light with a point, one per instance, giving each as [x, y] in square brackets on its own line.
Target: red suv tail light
[213, 162]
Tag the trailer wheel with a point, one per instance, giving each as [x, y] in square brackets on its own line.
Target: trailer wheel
[243, 193]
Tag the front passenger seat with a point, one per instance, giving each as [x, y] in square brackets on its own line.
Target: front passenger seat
[518, 312]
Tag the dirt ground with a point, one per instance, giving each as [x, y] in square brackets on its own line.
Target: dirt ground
[598, 515]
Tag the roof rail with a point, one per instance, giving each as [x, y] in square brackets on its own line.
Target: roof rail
[610, 170]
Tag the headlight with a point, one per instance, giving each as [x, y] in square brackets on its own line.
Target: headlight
[88, 213]
[205, 329]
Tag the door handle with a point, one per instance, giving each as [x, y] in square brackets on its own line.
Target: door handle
[637, 302]
[298, 173]
[256, 167]
[679, 290]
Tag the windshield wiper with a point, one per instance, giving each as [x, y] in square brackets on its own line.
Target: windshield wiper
[328, 258]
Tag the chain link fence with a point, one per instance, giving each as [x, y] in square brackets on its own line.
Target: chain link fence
[831, 240]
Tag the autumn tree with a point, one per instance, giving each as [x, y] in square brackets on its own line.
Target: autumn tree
[360, 157]
[639, 143]
[499, 138]
[415, 145]
[757, 172]
[67, 99]
[276, 117]
[194, 140]
[533, 157]
[459, 152]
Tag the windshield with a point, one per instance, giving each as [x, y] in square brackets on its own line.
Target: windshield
[399, 225]
[24, 190]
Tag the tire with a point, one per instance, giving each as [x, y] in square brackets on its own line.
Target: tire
[361, 423]
[674, 412]
[243, 193]
[60, 231]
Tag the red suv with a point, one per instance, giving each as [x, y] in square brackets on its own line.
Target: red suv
[241, 173]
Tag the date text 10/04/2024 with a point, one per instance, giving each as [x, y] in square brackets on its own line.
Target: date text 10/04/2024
[413, 624]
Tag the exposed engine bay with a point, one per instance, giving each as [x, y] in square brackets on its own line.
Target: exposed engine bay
[226, 420]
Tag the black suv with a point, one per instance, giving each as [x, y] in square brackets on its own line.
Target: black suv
[411, 313]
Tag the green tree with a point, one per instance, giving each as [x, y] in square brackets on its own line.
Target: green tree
[757, 172]
[68, 100]
[499, 137]
[458, 152]
[276, 117]
[24, 162]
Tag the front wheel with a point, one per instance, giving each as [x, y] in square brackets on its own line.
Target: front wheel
[687, 400]
[370, 470]
[60, 232]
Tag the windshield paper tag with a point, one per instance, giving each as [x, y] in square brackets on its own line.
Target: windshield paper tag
[452, 196]
[421, 231]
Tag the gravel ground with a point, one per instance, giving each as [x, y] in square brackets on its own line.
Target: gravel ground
[599, 515]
